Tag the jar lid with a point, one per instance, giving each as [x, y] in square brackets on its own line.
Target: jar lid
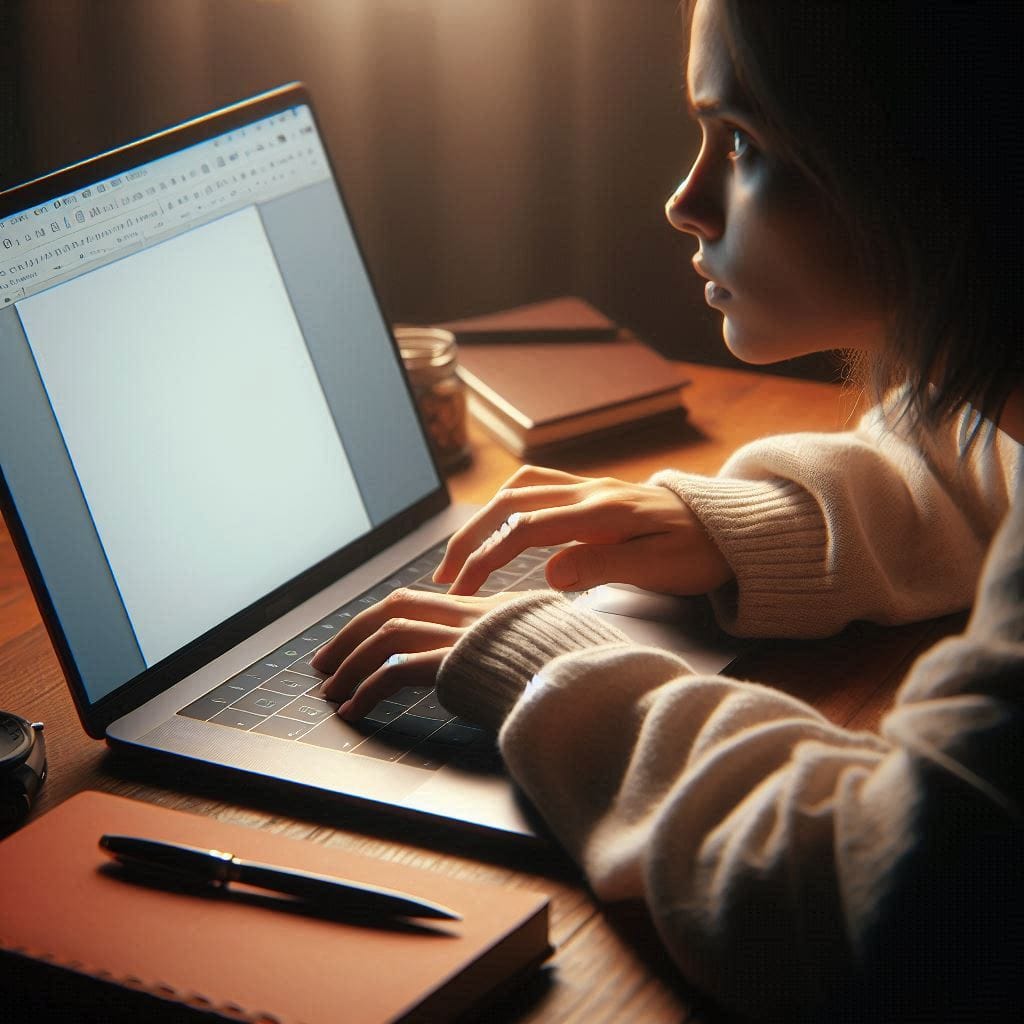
[423, 347]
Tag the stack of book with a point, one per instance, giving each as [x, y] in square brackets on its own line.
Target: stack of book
[554, 373]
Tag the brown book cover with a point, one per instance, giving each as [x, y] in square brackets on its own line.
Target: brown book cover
[560, 319]
[536, 397]
[232, 954]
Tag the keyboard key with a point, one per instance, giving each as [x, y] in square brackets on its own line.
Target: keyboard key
[263, 670]
[295, 649]
[334, 734]
[372, 597]
[431, 707]
[291, 683]
[386, 711]
[470, 725]
[303, 665]
[457, 734]
[218, 699]
[425, 564]
[526, 562]
[409, 695]
[237, 719]
[501, 579]
[246, 681]
[336, 620]
[426, 758]
[404, 577]
[309, 709]
[381, 749]
[323, 630]
[261, 702]
[282, 728]
[413, 726]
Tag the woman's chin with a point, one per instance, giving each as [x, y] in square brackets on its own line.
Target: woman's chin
[762, 349]
[748, 347]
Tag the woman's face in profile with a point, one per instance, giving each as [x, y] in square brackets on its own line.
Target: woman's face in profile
[779, 266]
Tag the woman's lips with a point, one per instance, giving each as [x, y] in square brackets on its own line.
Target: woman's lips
[715, 293]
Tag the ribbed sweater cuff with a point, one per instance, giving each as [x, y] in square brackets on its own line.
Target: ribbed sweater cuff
[486, 671]
[774, 537]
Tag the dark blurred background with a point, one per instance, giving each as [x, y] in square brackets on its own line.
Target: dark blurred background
[492, 152]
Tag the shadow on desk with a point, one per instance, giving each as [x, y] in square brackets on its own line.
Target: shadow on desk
[192, 786]
[850, 678]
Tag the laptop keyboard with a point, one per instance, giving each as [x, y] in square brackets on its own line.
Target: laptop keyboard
[280, 695]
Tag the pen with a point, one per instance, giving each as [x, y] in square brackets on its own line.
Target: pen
[213, 867]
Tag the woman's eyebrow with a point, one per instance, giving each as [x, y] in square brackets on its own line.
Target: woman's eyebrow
[708, 109]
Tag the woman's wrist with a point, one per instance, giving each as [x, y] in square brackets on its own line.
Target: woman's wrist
[487, 671]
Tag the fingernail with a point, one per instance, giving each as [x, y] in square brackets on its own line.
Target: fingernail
[344, 709]
[563, 575]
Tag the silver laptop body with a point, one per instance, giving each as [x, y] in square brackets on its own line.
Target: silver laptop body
[211, 458]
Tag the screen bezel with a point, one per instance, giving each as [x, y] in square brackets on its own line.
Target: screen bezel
[97, 715]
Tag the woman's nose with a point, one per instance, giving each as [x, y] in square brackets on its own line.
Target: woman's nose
[695, 206]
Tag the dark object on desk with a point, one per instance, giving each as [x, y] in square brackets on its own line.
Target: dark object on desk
[71, 924]
[563, 319]
[22, 767]
[217, 868]
[537, 397]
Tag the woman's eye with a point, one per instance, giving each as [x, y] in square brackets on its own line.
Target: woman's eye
[741, 144]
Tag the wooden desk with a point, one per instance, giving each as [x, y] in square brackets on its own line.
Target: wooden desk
[608, 964]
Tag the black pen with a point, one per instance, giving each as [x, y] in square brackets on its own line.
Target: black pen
[213, 867]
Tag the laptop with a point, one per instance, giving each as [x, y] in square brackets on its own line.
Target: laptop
[211, 459]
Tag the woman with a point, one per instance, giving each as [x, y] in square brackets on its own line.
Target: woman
[856, 188]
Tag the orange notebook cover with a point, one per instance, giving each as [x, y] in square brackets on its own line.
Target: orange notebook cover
[235, 956]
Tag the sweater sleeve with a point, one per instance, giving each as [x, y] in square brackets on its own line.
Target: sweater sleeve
[787, 863]
[823, 529]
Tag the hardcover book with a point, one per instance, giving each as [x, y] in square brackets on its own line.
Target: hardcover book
[535, 397]
[558, 319]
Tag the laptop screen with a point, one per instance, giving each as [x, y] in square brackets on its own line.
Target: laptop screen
[199, 397]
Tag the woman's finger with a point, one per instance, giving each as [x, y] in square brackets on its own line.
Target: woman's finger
[396, 636]
[519, 491]
[420, 605]
[589, 521]
[398, 671]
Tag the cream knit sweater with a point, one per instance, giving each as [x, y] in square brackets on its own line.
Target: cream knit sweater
[793, 867]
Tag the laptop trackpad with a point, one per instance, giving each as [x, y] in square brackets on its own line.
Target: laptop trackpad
[679, 624]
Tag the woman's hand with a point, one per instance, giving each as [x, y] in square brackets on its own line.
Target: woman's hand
[624, 533]
[400, 641]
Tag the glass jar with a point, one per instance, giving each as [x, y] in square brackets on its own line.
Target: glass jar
[431, 359]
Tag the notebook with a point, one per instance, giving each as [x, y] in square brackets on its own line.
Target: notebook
[76, 933]
[539, 397]
[211, 459]
[559, 319]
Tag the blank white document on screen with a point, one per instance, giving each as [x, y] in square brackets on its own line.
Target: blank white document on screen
[199, 431]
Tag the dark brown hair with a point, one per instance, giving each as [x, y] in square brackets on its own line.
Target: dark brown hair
[904, 115]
